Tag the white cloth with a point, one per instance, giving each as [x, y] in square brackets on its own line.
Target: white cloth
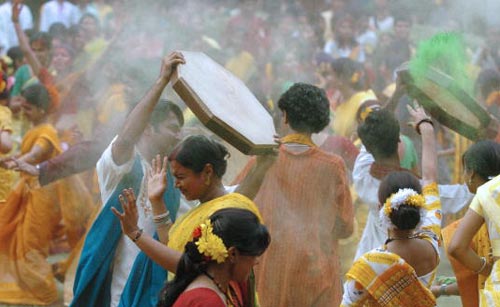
[110, 175]
[336, 52]
[8, 37]
[53, 11]
[453, 198]
[385, 25]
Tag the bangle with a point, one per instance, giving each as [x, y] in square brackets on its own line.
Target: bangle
[483, 265]
[442, 290]
[162, 219]
[138, 234]
[425, 120]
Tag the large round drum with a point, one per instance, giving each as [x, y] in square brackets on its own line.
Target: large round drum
[224, 104]
[449, 104]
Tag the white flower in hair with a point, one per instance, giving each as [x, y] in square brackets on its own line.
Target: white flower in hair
[403, 196]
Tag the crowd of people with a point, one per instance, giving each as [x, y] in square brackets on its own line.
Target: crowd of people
[102, 165]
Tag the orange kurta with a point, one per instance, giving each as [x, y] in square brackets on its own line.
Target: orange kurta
[28, 221]
[303, 198]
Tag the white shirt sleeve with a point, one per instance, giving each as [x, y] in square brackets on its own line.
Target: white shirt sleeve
[366, 185]
[109, 173]
[454, 197]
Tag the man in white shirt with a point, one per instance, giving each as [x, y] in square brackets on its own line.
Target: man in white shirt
[8, 37]
[58, 11]
[151, 128]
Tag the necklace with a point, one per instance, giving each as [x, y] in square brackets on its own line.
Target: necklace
[231, 298]
[413, 236]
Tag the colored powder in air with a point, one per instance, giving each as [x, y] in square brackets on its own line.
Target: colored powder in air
[445, 52]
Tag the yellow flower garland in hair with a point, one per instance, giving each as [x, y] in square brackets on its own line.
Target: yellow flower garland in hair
[407, 197]
[209, 244]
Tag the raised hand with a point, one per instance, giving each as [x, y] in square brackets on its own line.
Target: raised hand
[129, 217]
[157, 179]
[417, 113]
[169, 64]
[17, 5]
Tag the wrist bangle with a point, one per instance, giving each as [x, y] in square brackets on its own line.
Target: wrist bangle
[425, 120]
[483, 265]
[138, 234]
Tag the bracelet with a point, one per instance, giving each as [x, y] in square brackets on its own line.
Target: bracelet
[442, 290]
[425, 120]
[161, 216]
[162, 219]
[138, 234]
[483, 265]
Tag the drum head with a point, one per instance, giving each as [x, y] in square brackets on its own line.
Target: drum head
[224, 104]
[448, 103]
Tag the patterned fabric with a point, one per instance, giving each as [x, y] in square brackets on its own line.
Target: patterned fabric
[383, 278]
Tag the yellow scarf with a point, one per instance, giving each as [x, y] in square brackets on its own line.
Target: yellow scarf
[299, 139]
[182, 230]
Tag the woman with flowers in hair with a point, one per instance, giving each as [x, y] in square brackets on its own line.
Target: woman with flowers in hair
[197, 164]
[401, 272]
[223, 251]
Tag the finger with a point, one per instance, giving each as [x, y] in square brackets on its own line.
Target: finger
[117, 213]
[158, 163]
[131, 197]
[123, 203]
[164, 165]
[153, 164]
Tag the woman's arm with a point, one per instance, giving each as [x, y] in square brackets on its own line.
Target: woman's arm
[157, 185]
[460, 244]
[429, 153]
[165, 256]
[5, 141]
[23, 40]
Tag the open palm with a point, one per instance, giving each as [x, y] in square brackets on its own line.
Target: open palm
[157, 179]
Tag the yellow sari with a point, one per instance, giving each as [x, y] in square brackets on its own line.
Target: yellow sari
[29, 219]
[182, 230]
[487, 204]
[7, 177]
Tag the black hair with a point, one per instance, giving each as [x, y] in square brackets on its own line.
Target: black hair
[37, 95]
[380, 133]
[15, 53]
[92, 16]
[345, 68]
[196, 151]
[406, 217]
[306, 106]
[483, 158]
[58, 30]
[43, 37]
[237, 228]
[161, 111]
